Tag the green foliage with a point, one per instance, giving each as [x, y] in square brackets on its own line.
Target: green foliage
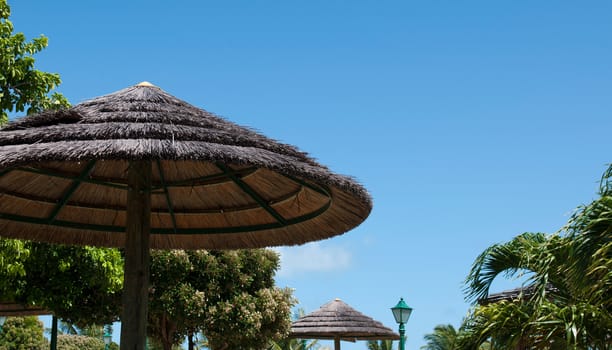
[502, 323]
[444, 337]
[81, 285]
[90, 337]
[13, 254]
[294, 344]
[21, 85]
[249, 320]
[78, 342]
[23, 333]
[230, 296]
[571, 279]
[155, 345]
[174, 304]
[286, 343]
[93, 331]
[380, 344]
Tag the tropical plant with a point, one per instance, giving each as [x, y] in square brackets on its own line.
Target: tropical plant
[227, 295]
[78, 342]
[249, 320]
[21, 85]
[84, 335]
[287, 343]
[153, 344]
[569, 278]
[13, 255]
[444, 337]
[23, 333]
[380, 344]
[81, 285]
[293, 344]
[67, 328]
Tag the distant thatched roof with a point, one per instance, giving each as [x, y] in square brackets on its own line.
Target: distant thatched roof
[16, 309]
[520, 293]
[216, 185]
[337, 320]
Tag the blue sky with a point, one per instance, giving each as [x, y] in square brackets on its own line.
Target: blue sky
[469, 122]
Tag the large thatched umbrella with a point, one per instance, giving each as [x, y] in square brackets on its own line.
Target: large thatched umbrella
[338, 321]
[142, 169]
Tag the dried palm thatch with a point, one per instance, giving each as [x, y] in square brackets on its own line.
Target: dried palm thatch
[215, 185]
[507, 295]
[16, 309]
[338, 321]
[516, 294]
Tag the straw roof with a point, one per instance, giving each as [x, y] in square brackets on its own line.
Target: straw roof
[337, 320]
[17, 309]
[516, 294]
[216, 185]
[507, 295]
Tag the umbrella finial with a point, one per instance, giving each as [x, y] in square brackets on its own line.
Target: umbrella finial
[145, 83]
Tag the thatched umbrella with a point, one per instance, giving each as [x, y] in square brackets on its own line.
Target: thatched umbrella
[515, 294]
[141, 169]
[338, 321]
[14, 309]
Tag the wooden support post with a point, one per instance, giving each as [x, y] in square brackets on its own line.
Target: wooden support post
[136, 275]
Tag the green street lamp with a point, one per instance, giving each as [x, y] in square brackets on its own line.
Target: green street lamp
[107, 340]
[401, 313]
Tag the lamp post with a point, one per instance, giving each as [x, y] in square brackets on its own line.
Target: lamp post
[107, 340]
[401, 313]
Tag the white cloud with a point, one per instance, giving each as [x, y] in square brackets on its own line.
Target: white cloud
[312, 257]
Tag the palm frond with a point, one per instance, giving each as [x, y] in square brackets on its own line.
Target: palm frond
[524, 253]
[444, 337]
[500, 323]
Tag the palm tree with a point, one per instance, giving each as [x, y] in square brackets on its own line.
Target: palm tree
[93, 330]
[444, 337]
[68, 328]
[294, 344]
[380, 345]
[570, 277]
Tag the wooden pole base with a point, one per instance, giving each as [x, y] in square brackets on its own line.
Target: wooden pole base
[136, 275]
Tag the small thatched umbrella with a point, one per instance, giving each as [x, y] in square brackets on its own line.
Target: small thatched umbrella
[338, 321]
[142, 169]
[13, 309]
